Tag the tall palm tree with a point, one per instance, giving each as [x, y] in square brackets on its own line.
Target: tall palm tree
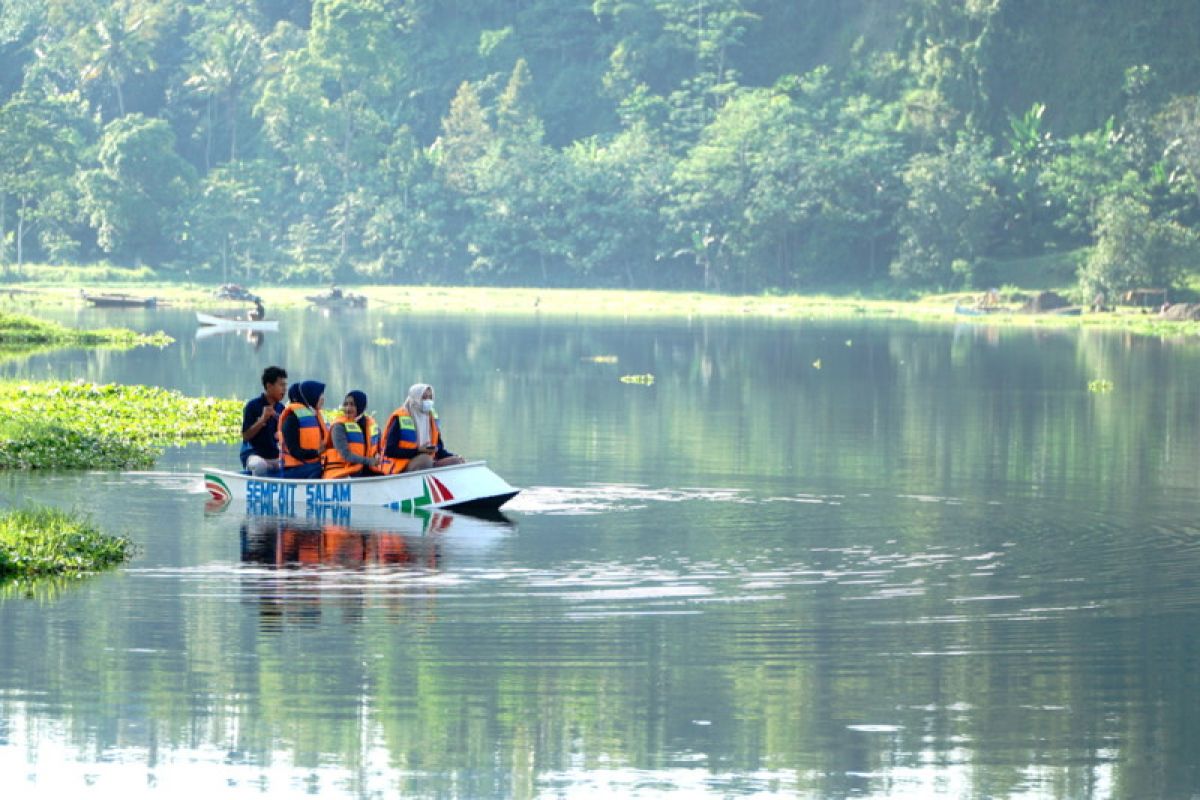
[229, 62]
[117, 44]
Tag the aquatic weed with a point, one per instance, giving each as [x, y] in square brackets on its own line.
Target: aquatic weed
[82, 425]
[41, 541]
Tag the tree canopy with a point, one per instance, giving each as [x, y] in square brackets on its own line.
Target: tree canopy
[728, 145]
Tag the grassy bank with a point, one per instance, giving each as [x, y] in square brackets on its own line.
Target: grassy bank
[646, 304]
[51, 425]
[44, 542]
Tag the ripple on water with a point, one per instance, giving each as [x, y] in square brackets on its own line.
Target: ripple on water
[606, 497]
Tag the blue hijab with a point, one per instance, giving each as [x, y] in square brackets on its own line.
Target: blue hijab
[309, 392]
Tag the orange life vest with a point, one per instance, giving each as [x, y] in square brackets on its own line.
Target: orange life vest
[408, 439]
[359, 441]
[312, 433]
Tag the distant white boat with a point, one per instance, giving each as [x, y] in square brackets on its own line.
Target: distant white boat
[235, 323]
[470, 487]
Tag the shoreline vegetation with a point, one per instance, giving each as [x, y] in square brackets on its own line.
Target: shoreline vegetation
[41, 542]
[642, 304]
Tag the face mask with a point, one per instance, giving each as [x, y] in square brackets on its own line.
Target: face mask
[427, 406]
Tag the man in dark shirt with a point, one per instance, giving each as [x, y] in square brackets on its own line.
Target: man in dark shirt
[260, 449]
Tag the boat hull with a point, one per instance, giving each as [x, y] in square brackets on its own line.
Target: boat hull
[120, 301]
[470, 487]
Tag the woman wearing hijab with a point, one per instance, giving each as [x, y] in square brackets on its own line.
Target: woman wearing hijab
[412, 437]
[302, 431]
[352, 445]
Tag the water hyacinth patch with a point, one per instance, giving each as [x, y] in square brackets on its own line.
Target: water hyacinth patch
[80, 425]
[21, 329]
[36, 542]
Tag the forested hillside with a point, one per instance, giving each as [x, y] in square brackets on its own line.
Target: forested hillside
[731, 145]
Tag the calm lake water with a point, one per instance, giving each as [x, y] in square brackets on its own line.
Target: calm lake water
[814, 559]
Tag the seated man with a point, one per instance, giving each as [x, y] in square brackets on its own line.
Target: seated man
[260, 448]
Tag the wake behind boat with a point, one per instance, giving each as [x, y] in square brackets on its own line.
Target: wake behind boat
[238, 323]
[470, 487]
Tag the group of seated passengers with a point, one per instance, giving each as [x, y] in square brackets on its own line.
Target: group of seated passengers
[295, 440]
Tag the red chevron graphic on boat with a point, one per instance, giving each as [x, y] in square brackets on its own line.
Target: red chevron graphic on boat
[438, 490]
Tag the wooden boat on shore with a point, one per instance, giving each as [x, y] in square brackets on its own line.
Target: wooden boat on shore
[337, 300]
[119, 300]
[237, 323]
[470, 487]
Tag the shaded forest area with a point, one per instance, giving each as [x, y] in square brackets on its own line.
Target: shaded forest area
[881, 146]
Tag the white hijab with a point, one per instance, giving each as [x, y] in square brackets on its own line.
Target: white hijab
[413, 404]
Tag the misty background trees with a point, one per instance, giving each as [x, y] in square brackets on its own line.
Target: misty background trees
[727, 145]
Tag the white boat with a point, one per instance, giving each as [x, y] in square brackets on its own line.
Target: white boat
[234, 323]
[470, 487]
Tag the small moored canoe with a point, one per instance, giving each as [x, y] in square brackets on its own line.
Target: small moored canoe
[468, 487]
[218, 321]
[119, 300]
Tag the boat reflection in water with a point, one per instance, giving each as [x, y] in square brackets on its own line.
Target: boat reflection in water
[348, 564]
[254, 337]
[306, 542]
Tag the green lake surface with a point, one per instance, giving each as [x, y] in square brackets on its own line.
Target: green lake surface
[817, 559]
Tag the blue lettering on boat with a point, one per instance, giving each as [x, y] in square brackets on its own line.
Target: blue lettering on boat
[326, 493]
[268, 497]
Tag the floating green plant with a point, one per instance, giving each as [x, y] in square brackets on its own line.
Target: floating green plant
[42, 541]
[80, 425]
[1100, 386]
[383, 341]
[601, 359]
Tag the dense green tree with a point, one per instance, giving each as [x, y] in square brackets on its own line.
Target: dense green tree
[789, 185]
[515, 231]
[136, 198]
[1134, 250]
[675, 52]
[1179, 125]
[229, 222]
[111, 42]
[227, 61]
[662, 143]
[20, 22]
[950, 42]
[611, 196]
[1082, 173]
[949, 216]
[1023, 197]
[410, 234]
[325, 111]
[43, 142]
